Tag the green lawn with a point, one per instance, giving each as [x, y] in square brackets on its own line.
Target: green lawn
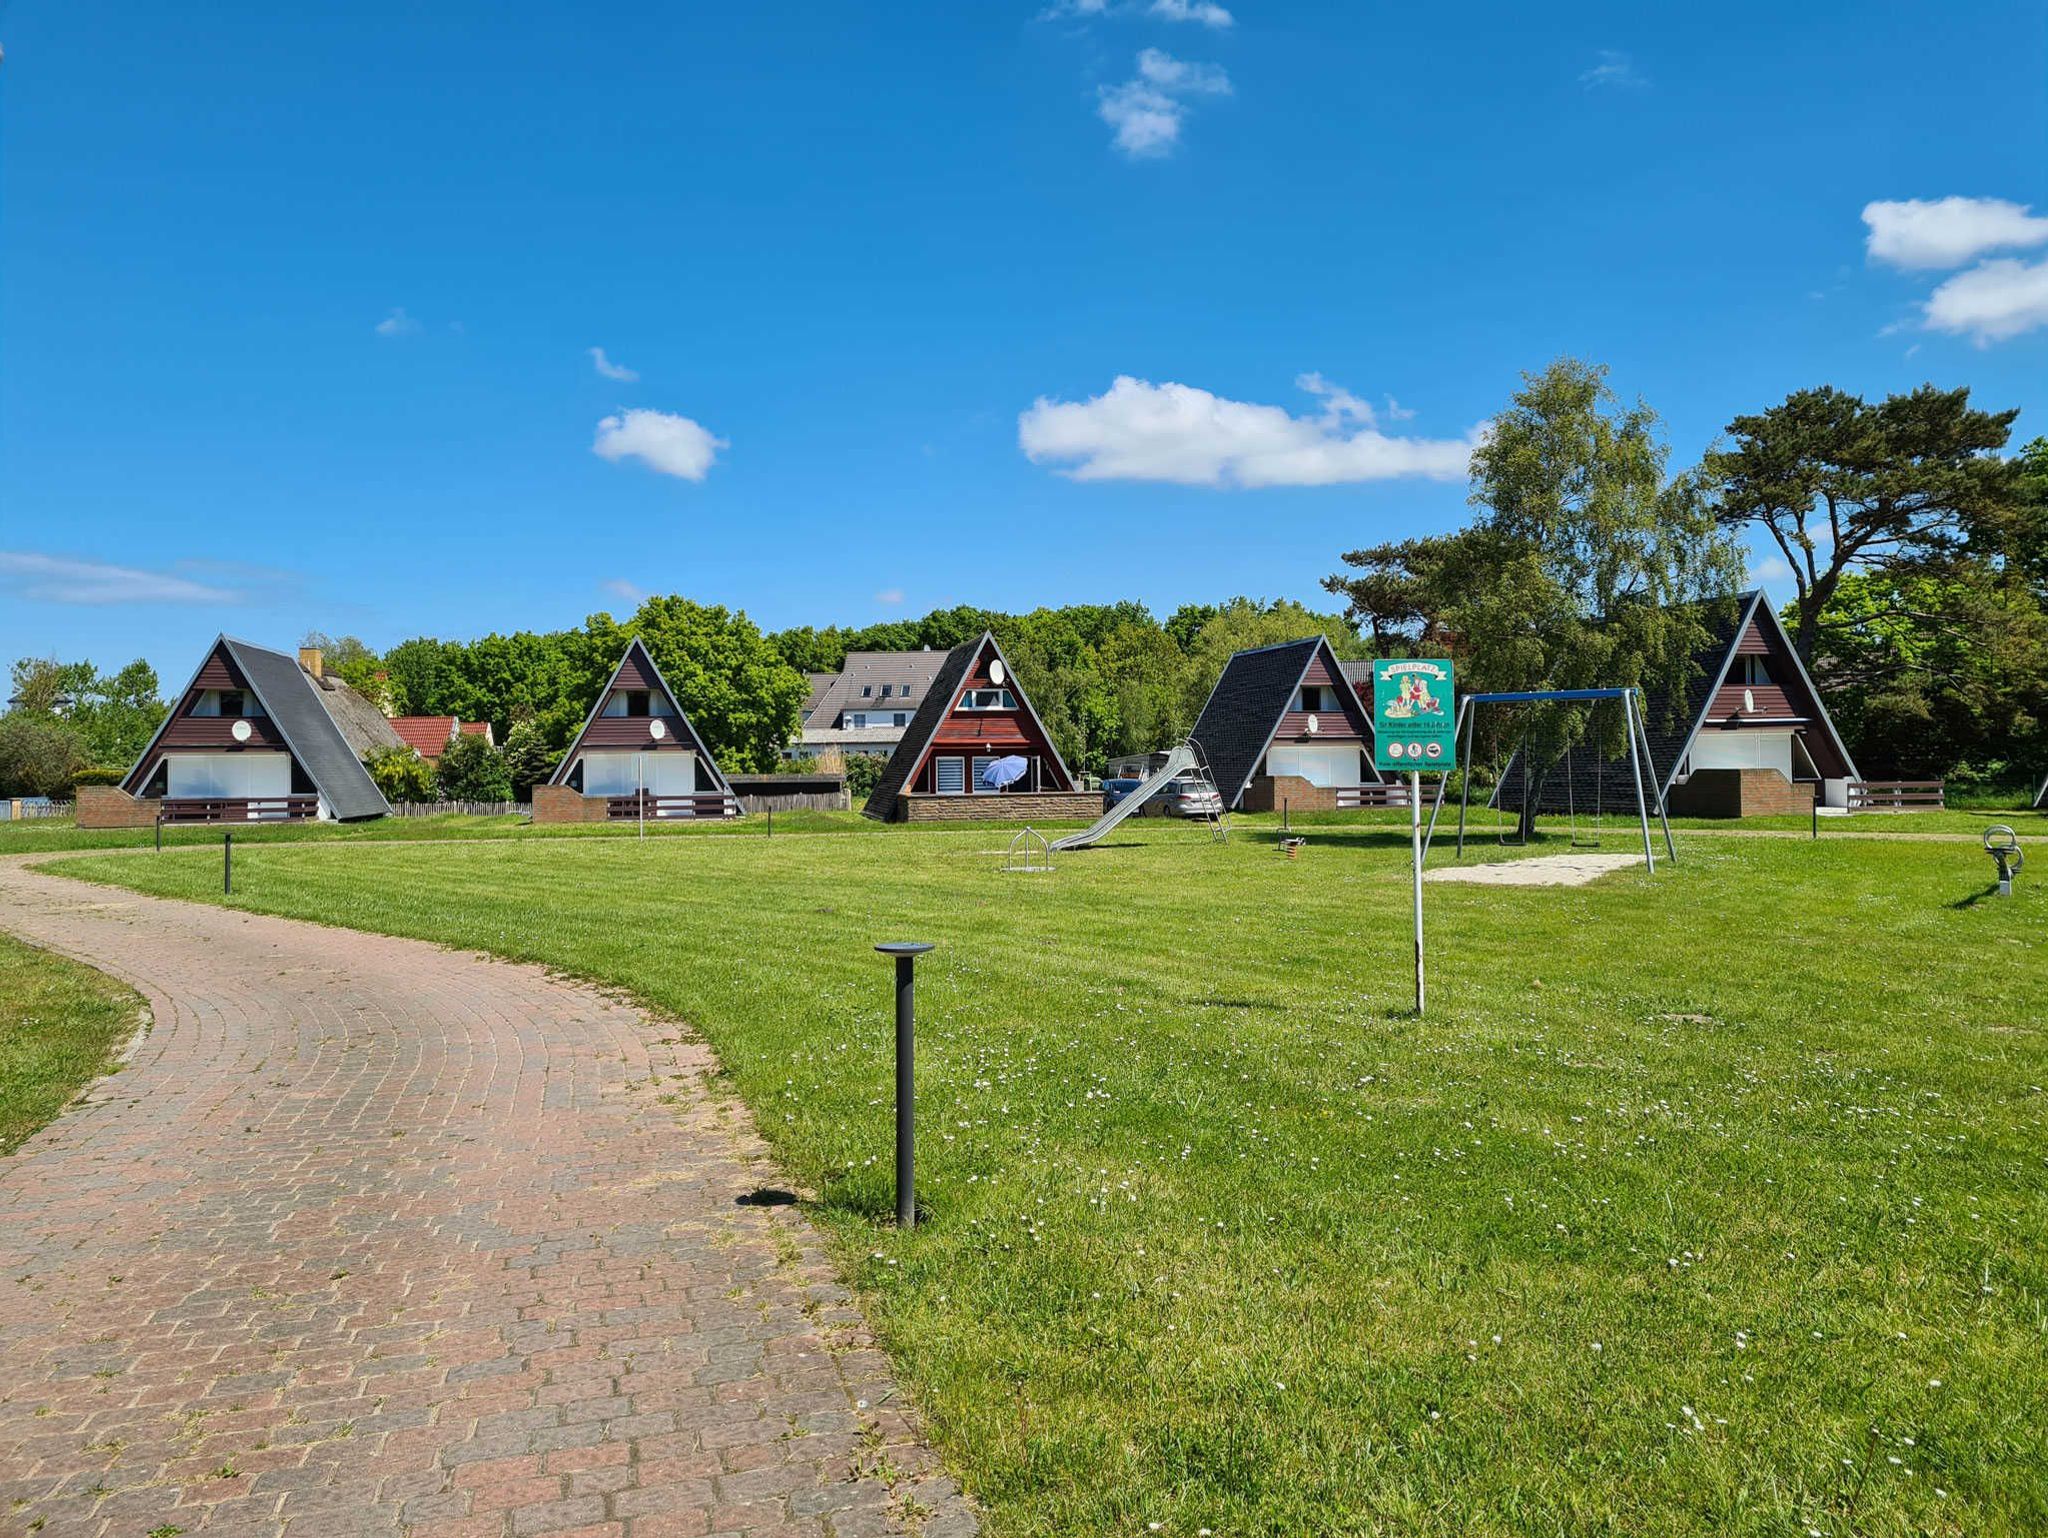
[1712, 1203]
[60, 1024]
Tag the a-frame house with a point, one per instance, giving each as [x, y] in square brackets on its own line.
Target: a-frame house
[1284, 723]
[256, 736]
[637, 756]
[973, 714]
[1747, 736]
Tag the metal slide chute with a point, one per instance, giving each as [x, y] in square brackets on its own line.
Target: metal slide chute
[1178, 762]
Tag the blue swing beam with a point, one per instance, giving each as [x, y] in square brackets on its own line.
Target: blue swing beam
[1630, 710]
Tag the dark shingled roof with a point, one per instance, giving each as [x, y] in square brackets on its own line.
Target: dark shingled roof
[1583, 778]
[1245, 708]
[931, 710]
[293, 701]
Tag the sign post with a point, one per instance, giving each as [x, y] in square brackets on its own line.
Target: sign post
[1414, 727]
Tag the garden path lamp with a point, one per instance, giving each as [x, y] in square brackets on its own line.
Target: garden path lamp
[2003, 845]
[906, 953]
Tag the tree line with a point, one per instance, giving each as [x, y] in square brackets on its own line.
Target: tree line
[1914, 538]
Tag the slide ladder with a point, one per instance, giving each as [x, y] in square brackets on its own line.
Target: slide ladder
[1178, 762]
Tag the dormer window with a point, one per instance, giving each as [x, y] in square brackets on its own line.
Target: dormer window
[867, 691]
[1315, 697]
[1752, 671]
[988, 699]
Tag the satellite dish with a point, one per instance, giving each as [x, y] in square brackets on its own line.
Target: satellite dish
[995, 671]
[657, 730]
[1314, 726]
[240, 731]
[1749, 702]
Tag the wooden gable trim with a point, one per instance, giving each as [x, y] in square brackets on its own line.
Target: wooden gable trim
[1354, 711]
[697, 743]
[975, 666]
[139, 772]
[1759, 609]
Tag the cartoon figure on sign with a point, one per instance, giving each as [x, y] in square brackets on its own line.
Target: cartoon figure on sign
[1416, 696]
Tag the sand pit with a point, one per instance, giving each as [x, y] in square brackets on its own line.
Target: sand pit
[1543, 870]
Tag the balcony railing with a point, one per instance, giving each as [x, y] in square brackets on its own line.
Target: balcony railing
[1352, 797]
[1896, 796]
[238, 808]
[630, 808]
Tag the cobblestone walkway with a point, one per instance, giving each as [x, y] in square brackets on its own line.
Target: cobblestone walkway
[375, 1237]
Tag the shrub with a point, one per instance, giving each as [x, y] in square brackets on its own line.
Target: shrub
[863, 774]
[38, 755]
[473, 770]
[529, 759]
[101, 775]
[402, 775]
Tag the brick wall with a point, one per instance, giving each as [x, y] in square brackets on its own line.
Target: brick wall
[559, 803]
[109, 806]
[1740, 793]
[1019, 806]
[1266, 791]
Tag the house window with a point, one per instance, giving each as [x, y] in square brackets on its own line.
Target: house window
[900, 719]
[856, 720]
[1315, 697]
[988, 699]
[887, 690]
[1752, 671]
[949, 776]
[226, 702]
[867, 691]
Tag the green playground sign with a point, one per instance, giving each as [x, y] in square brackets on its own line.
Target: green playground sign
[1414, 724]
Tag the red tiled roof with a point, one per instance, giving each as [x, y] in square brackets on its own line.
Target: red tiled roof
[476, 728]
[425, 735]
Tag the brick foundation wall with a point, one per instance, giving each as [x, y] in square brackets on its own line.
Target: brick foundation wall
[558, 803]
[1266, 792]
[1019, 806]
[109, 806]
[1740, 793]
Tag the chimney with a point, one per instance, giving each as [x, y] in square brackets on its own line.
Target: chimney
[309, 659]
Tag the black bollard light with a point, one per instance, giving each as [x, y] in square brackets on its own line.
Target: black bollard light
[227, 863]
[906, 953]
[771, 822]
[159, 832]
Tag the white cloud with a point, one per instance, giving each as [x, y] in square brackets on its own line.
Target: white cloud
[1948, 232]
[1991, 302]
[1206, 12]
[1139, 431]
[620, 588]
[1772, 568]
[398, 323]
[1615, 69]
[890, 595]
[673, 445]
[612, 370]
[1147, 110]
[54, 579]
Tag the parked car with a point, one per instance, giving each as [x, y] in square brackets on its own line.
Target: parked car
[1114, 790]
[1185, 796]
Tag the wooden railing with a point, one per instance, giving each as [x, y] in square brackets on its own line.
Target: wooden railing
[239, 808]
[710, 803]
[1350, 797]
[1896, 796]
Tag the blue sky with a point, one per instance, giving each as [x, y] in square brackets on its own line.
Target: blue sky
[299, 300]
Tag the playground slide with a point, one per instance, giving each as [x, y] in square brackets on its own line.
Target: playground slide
[1179, 761]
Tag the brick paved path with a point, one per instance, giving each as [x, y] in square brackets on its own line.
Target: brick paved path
[374, 1237]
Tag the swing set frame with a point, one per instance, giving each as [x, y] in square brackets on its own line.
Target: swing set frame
[1638, 760]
